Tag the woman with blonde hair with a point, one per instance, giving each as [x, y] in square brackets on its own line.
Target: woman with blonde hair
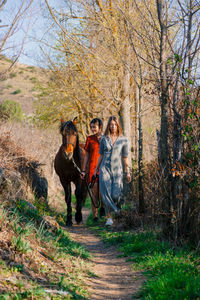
[113, 152]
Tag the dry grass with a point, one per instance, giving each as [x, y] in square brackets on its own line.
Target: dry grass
[38, 145]
[35, 253]
[20, 77]
[13, 186]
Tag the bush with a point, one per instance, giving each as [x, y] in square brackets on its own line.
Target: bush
[11, 110]
[33, 79]
[17, 92]
[12, 75]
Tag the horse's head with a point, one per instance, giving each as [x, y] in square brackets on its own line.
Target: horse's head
[69, 138]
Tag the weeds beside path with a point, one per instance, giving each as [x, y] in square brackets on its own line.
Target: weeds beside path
[113, 277]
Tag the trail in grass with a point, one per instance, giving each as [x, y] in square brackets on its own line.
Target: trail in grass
[114, 277]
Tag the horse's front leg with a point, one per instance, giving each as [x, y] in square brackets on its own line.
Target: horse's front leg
[79, 202]
[67, 189]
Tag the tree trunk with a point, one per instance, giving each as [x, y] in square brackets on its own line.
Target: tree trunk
[125, 118]
[176, 182]
[164, 148]
[140, 154]
[124, 112]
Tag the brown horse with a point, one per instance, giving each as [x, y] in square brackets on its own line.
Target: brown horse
[67, 165]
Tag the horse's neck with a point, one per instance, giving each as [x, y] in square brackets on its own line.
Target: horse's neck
[77, 155]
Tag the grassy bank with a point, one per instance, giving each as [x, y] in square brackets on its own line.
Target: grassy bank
[170, 272]
[37, 258]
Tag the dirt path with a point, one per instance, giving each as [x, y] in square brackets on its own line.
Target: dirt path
[115, 278]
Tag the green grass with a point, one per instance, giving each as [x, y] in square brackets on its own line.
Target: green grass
[87, 203]
[172, 273]
[10, 109]
[20, 245]
[171, 276]
[27, 224]
[96, 226]
[60, 237]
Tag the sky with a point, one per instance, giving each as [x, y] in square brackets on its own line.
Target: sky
[40, 28]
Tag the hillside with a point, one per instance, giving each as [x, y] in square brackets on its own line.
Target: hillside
[21, 85]
[37, 257]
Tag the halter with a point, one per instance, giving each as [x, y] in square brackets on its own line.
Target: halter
[67, 134]
[67, 143]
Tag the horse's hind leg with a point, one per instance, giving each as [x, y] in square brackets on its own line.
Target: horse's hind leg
[79, 201]
[67, 189]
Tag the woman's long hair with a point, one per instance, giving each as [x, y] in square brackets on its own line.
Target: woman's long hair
[117, 121]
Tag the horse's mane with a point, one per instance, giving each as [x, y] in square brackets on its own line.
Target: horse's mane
[70, 125]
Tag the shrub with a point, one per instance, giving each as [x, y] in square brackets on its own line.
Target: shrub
[12, 75]
[11, 110]
[17, 92]
[8, 59]
[33, 79]
[31, 69]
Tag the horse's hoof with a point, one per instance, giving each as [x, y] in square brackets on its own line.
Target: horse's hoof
[69, 223]
[78, 217]
[78, 223]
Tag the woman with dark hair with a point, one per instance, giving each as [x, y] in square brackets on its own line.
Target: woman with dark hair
[90, 162]
[113, 153]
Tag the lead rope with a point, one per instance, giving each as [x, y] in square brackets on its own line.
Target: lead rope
[89, 192]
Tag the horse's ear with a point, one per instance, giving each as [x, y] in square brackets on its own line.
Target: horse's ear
[75, 121]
